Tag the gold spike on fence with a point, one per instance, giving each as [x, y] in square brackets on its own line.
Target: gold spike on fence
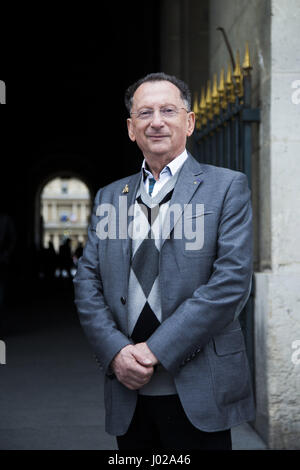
[215, 100]
[196, 109]
[208, 101]
[203, 107]
[238, 76]
[247, 63]
[215, 96]
[221, 90]
[229, 85]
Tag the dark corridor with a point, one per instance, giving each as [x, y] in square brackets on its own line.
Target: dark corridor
[65, 73]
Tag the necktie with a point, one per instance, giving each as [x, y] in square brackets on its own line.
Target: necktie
[151, 185]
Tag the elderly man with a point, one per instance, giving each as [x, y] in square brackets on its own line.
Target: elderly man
[159, 295]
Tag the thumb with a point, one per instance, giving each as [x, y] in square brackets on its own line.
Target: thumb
[142, 358]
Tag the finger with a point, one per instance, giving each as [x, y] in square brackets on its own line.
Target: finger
[133, 356]
[134, 377]
[142, 359]
[139, 376]
[134, 384]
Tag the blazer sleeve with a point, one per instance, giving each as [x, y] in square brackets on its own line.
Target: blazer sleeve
[94, 314]
[215, 304]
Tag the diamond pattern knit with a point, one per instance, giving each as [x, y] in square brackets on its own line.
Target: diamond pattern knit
[144, 296]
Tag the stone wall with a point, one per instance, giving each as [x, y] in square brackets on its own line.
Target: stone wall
[184, 36]
[272, 29]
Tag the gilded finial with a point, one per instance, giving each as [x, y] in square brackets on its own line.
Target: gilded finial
[196, 110]
[247, 64]
[237, 70]
[230, 86]
[238, 76]
[195, 104]
[221, 90]
[215, 96]
[203, 107]
[209, 101]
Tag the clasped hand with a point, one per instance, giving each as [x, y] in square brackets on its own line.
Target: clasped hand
[134, 365]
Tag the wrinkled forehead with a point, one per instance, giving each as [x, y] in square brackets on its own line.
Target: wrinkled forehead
[156, 93]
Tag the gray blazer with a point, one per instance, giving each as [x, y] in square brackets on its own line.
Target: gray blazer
[203, 291]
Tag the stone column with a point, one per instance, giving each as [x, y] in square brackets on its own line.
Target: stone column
[74, 210]
[54, 212]
[277, 306]
[45, 212]
[272, 29]
[83, 213]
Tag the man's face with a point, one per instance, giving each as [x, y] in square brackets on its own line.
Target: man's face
[159, 134]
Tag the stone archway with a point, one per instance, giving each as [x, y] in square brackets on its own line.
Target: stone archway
[50, 167]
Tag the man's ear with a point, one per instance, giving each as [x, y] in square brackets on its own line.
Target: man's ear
[191, 124]
[130, 130]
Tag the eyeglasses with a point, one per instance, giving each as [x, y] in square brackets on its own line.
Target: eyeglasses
[166, 112]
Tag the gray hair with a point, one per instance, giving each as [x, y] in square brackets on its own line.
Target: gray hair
[185, 93]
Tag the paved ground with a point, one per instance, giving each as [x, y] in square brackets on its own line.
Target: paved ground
[51, 389]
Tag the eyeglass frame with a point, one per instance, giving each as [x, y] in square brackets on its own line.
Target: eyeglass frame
[176, 111]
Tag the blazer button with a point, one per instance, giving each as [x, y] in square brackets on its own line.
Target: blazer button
[123, 300]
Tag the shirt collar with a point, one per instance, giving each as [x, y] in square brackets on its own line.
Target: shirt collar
[171, 168]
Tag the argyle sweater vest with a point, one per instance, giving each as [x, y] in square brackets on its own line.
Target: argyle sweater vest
[144, 296]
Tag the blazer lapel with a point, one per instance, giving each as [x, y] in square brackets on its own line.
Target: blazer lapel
[189, 180]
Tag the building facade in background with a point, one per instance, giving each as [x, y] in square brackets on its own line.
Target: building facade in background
[65, 209]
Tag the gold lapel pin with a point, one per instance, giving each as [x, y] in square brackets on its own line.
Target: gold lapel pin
[125, 189]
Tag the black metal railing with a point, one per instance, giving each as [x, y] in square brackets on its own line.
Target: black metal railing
[223, 137]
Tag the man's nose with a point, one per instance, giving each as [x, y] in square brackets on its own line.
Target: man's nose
[156, 120]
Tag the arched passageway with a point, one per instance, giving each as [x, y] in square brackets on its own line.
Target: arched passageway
[65, 211]
[62, 213]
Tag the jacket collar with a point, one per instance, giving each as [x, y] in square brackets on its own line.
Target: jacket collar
[189, 180]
